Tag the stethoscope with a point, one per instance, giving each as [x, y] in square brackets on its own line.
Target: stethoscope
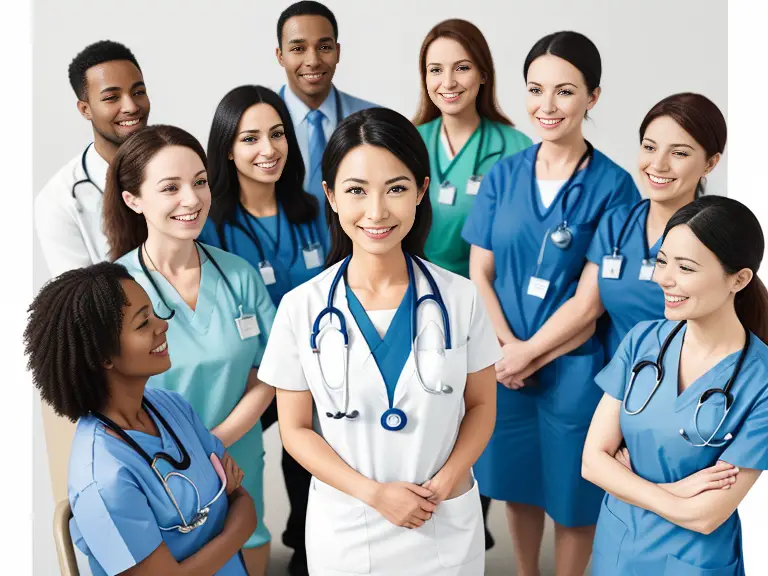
[392, 419]
[635, 210]
[86, 180]
[201, 516]
[479, 160]
[658, 364]
[562, 236]
[160, 294]
[613, 263]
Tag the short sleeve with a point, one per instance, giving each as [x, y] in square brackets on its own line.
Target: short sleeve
[749, 447]
[625, 193]
[115, 524]
[600, 245]
[613, 378]
[209, 235]
[256, 293]
[211, 444]
[483, 347]
[281, 365]
[479, 223]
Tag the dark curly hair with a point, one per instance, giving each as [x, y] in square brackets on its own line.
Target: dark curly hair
[93, 55]
[73, 329]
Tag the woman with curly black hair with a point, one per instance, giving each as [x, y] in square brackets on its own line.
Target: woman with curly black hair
[152, 491]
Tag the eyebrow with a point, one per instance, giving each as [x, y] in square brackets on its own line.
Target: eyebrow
[257, 131]
[390, 181]
[556, 85]
[681, 258]
[142, 309]
[179, 178]
[304, 40]
[454, 64]
[117, 88]
[672, 145]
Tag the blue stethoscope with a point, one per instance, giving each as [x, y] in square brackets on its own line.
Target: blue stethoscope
[562, 236]
[392, 419]
[658, 364]
[479, 160]
[86, 180]
[160, 294]
[616, 256]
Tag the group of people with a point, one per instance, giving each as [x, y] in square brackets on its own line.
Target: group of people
[438, 313]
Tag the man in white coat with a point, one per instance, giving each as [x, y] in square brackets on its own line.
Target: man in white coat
[111, 95]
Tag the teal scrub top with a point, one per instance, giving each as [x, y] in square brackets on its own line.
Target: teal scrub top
[210, 363]
[633, 541]
[445, 247]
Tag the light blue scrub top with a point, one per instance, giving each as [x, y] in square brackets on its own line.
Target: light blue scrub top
[634, 542]
[118, 503]
[210, 364]
[286, 258]
[628, 300]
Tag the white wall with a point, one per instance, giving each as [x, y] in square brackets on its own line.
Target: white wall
[192, 52]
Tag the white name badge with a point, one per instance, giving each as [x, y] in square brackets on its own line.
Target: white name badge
[247, 325]
[612, 266]
[312, 256]
[447, 194]
[267, 273]
[473, 185]
[538, 287]
[646, 270]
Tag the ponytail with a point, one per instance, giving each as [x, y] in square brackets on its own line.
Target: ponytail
[752, 308]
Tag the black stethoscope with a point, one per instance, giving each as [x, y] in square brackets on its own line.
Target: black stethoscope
[86, 180]
[160, 294]
[612, 263]
[562, 236]
[201, 516]
[658, 364]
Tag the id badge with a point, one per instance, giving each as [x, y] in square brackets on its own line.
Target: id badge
[312, 256]
[612, 266]
[267, 273]
[247, 325]
[473, 185]
[646, 270]
[447, 193]
[538, 287]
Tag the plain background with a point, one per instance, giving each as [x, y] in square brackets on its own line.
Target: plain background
[193, 52]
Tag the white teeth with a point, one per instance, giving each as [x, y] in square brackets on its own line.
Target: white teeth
[129, 123]
[549, 122]
[657, 180]
[378, 231]
[187, 217]
[669, 298]
[450, 95]
[160, 348]
[267, 165]
[312, 76]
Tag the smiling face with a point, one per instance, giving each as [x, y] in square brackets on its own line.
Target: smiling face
[309, 53]
[557, 98]
[375, 196]
[260, 149]
[174, 196]
[117, 103]
[671, 162]
[143, 345]
[453, 80]
[694, 281]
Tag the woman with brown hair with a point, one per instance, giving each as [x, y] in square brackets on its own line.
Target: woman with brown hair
[218, 309]
[464, 130]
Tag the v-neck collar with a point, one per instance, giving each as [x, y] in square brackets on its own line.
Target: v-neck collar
[543, 213]
[453, 161]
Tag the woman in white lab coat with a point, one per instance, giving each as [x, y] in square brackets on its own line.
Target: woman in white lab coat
[393, 443]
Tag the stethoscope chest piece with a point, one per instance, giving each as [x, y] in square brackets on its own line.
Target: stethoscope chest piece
[393, 420]
[562, 236]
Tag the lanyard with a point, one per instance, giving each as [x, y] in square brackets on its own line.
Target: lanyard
[442, 174]
[275, 241]
[636, 210]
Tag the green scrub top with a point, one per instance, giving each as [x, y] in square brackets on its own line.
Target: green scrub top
[445, 247]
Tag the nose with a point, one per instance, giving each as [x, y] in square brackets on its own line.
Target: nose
[266, 148]
[377, 207]
[659, 162]
[664, 277]
[189, 196]
[548, 106]
[449, 80]
[161, 326]
[129, 105]
[311, 57]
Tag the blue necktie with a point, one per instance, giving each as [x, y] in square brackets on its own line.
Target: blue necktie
[316, 147]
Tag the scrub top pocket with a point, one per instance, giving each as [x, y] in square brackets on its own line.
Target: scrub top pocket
[459, 529]
[676, 567]
[609, 537]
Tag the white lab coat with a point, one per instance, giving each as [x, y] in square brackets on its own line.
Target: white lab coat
[345, 536]
[71, 238]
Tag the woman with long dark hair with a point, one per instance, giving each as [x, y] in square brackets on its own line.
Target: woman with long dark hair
[397, 356]
[219, 312]
[689, 397]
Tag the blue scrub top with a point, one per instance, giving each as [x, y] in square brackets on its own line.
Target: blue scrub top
[286, 258]
[509, 219]
[633, 541]
[628, 300]
[118, 503]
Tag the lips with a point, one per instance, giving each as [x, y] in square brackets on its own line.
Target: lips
[161, 350]
[186, 217]
[658, 180]
[313, 76]
[129, 123]
[673, 301]
[378, 233]
[550, 122]
[267, 165]
[450, 96]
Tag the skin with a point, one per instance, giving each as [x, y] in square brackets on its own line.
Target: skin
[115, 93]
[450, 71]
[141, 334]
[175, 184]
[703, 501]
[374, 189]
[556, 91]
[308, 47]
[260, 142]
